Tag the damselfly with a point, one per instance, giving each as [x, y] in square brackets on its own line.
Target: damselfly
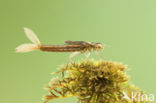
[77, 47]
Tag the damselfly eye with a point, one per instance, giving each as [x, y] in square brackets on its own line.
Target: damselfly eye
[99, 46]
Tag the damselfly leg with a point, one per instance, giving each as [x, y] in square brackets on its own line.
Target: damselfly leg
[71, 56]
[98, 55]
[87, 55]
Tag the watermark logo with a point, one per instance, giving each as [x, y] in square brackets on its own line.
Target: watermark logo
[138, 96]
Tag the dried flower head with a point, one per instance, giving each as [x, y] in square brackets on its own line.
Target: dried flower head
[92, 82]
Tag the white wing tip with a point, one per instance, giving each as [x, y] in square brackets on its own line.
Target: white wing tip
[31, 35]
[26, 48]
[25, 28]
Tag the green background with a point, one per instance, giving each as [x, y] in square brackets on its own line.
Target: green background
[128, 26]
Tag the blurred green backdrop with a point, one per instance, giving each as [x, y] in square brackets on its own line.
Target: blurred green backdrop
[128, 26]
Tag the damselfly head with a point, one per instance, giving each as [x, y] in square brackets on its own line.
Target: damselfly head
[98, 46]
